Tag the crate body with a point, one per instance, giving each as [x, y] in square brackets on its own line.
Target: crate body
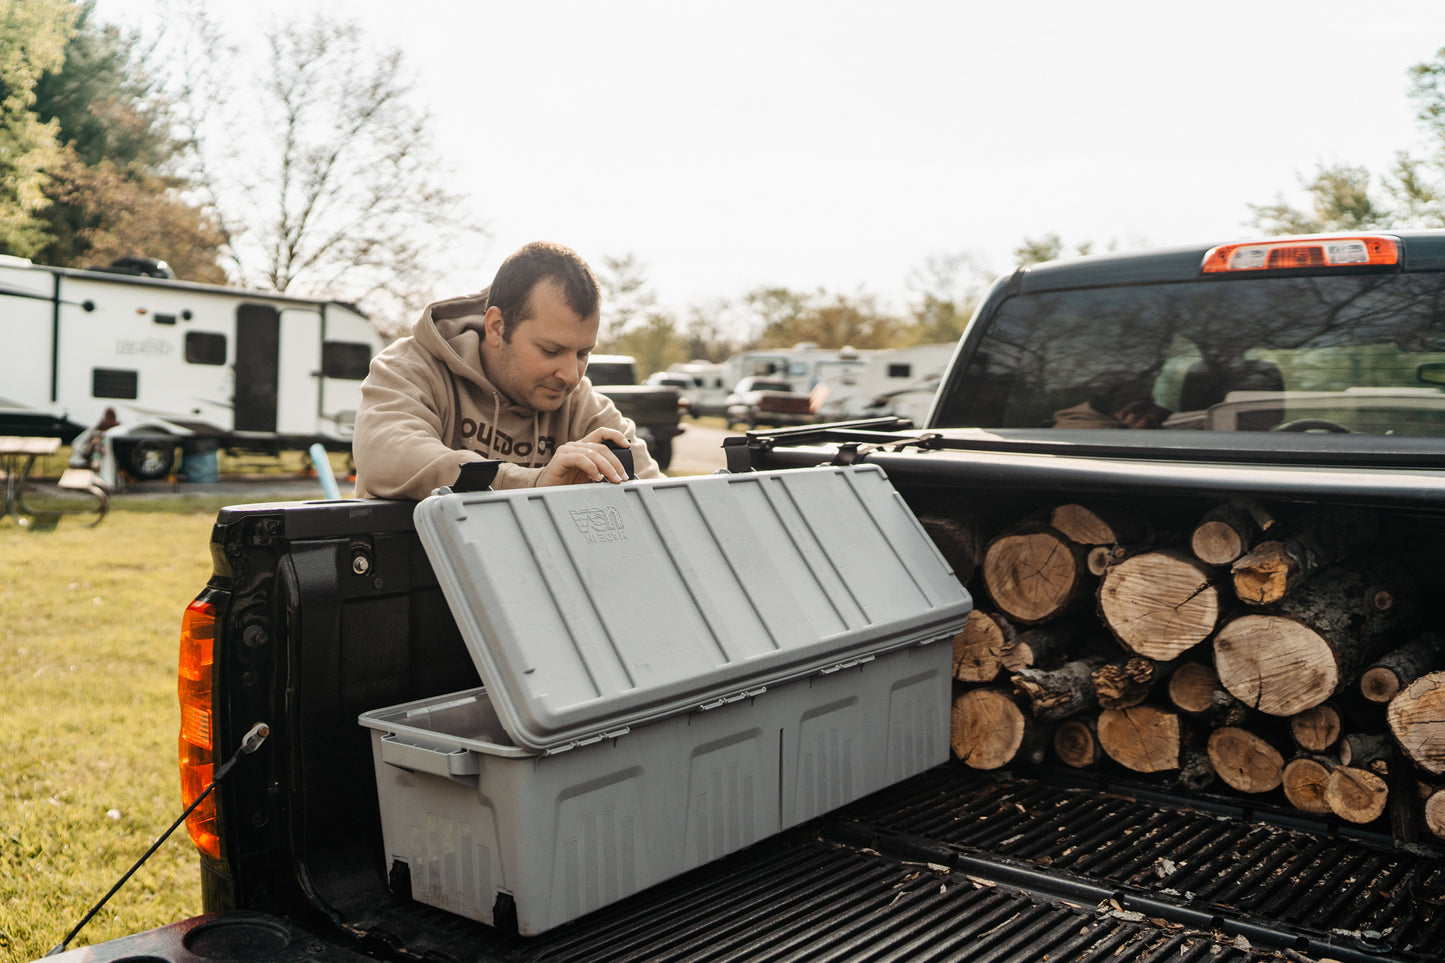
[708, 675]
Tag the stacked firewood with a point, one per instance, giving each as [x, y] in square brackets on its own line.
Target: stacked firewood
[1255, 653]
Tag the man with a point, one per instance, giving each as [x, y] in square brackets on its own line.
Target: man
[495, 375]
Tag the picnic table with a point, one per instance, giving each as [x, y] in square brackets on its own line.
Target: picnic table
[76, 491]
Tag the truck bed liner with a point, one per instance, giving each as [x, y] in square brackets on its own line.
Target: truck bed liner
[959, 865]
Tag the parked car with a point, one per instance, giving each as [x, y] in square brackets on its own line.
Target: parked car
[767, 401]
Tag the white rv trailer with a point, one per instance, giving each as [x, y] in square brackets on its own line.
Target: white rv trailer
[898, 381]
[181, 364]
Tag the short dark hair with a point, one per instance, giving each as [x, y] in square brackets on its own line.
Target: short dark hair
[511, 290]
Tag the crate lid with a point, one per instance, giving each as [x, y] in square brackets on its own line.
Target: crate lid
[589, 609]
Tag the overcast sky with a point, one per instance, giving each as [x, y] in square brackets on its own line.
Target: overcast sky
[838, 144]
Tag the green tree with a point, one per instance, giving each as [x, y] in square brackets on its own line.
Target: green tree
[836, 321]
[33, 34]
[113, 190]
[654, 344]
[1348, 198]
[707, 335]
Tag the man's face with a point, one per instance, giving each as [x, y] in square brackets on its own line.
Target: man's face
[547, 355]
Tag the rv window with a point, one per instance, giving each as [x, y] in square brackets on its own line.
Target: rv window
[345, 359]
[205, 347]
[164, 318]
[114, 383]
[900, 370]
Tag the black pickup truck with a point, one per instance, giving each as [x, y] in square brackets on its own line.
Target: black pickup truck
[1299, 376]
[657, 410]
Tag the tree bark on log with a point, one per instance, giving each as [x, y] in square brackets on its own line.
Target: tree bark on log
[1244, 760]
[1058, 693]
[1143, 738]
[1396, 669]
[1317, 729]
[1120, 685]
[1076, 742]
[1033, 573]
[991, 730]
[1417, 721]
[1304, 782]
[1160, 604]
[1270, 570]
[1356, 795]
[1229, 530]
[1314, 641]
[958, 541]
[1041, 647]
[977, 649]
[1367, 750]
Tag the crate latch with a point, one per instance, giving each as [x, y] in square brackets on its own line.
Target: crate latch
[840, 666]
[591, 740]
[735, 697]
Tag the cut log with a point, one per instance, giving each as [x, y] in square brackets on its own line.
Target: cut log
[1098, 525]
[1041, 647]
[1244, 760]
[990, 730]
[1397, 668]
[1304, 782]
[958, 541]
[1367, 750]
[1314, 641]
[1076, 743]
[977, 649]
[1160, 604]
[1356, 795]
[1229, 530]
[1270, 570]
[1055, 694]
[1318, 728]
[1433, 806]
[1143, 738]
[1120, 685]
[1195, 688]
[1034, 574]
[1417, 721]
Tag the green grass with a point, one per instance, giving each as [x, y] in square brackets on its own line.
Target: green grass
[89, 621]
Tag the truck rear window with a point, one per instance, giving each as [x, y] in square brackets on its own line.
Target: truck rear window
[1328, 353]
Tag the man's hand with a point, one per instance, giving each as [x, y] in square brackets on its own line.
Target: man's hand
[586, 460]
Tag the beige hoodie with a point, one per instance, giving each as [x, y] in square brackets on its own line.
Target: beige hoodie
[427, 409]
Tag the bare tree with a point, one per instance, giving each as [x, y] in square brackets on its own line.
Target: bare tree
[321, 173]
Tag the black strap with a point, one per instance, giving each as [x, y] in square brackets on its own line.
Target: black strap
[476, 476]
[624, 455]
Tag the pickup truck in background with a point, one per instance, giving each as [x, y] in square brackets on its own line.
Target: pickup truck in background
[1199, 709]
[758, 402]
[657, 410]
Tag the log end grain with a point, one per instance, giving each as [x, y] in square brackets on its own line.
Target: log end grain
[1304, 784]
[1417, 721]
[1245, 760]
[1142, 738]
[1160, 604]
[1275, 664]
[1356, 795]
[988, 728]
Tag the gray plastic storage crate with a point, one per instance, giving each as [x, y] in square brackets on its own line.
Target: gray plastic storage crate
[672, 670]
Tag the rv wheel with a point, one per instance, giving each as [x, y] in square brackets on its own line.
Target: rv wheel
[148, 458]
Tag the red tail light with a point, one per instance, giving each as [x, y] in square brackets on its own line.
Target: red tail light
[197, 746]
